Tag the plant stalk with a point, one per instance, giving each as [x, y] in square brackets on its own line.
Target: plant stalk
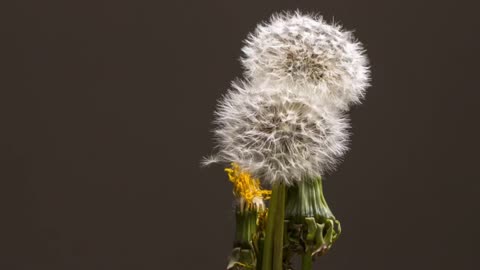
[278, 230]
[307, 261]
[268, 243]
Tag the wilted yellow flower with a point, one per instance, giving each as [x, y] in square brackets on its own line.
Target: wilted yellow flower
[246, 187]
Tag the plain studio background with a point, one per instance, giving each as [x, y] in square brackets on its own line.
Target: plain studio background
[106, 111]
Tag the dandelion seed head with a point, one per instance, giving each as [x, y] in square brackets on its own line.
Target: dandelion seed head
[278, 135]
[305, 53]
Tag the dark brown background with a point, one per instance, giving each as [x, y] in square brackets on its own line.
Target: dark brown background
[106, 109]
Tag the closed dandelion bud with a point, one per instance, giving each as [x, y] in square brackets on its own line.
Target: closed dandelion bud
[311, 227]
[305, 53]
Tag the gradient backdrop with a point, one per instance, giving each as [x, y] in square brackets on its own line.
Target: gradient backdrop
[106, 110]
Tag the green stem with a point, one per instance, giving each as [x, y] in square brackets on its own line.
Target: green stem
[268, 243]
[307, 261]
[260, 254]
[278, 229]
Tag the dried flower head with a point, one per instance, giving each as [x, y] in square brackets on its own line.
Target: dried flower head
[278, 135]
[305, 53]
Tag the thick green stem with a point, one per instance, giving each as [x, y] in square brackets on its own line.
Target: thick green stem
[268, 243]
[278, 229]
[307, 261]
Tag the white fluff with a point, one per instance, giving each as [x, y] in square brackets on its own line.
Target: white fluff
[305, 53]
[276, 134]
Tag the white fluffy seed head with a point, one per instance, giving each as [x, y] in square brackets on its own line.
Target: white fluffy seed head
[278, 135]
[305, 53]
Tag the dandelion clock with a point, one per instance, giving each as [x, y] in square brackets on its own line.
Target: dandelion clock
[305, 53]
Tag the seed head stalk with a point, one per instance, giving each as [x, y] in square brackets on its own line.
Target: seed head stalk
[268, 243]
[278, 230]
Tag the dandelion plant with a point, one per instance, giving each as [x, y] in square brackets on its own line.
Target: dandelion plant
[284, 126]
